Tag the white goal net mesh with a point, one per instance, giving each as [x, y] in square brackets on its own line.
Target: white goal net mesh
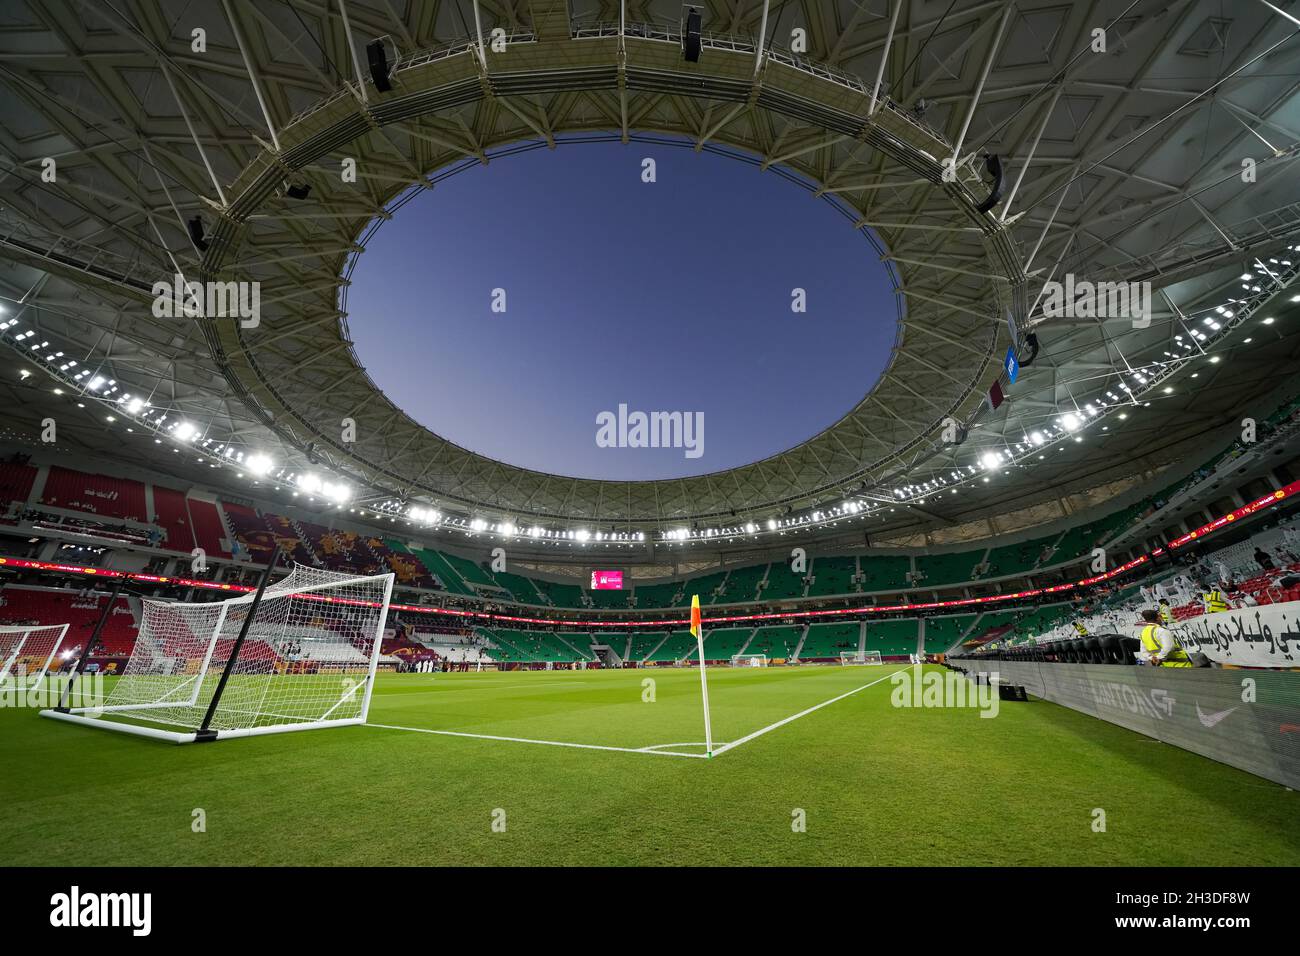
[860, 657]
[309, 655]
[749, 660]
[28, 653]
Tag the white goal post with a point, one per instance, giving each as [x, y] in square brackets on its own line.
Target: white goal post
[860, 657]
[27, 652]
[307, 660]
[748, 660]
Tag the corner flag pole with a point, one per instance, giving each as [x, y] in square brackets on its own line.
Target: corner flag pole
[698, 630]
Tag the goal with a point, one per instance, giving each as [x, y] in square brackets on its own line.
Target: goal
[859, 657]
[306, 660]
[27, 653]
[749, 660]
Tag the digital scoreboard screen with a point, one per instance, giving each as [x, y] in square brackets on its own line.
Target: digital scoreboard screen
[607, 580]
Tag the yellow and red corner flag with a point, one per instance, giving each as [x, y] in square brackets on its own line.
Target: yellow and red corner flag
[698, 632]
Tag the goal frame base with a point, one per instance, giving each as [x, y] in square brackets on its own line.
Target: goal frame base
[194, 736]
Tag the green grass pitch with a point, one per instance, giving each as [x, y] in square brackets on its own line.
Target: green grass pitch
[878, 785]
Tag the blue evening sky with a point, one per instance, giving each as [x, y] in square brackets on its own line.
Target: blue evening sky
[665, 296]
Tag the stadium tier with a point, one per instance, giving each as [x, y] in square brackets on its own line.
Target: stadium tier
[16, 482]
[185, 521]
[942, 632]
[885, 572]
[1018, 558]
[783, 583]
[721, 644]
[522, 589]
[438, 565]
[941, 570]
[677, 645]
[174, 519]
[101, 495]
[833, 575]
[609, 599]
[707, 586]
[639, 646]
[828, 641]
[28, 605]
[738, 585]
[658, 595]
[778, 643]
[559, 594]
[895, 638]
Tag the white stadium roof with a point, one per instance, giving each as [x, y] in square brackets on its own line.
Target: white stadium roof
[1120, 166]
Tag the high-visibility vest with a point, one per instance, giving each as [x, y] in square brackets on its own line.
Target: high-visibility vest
[1166, 615]
[1215, 601]
[1177, 656]
[1078, 626]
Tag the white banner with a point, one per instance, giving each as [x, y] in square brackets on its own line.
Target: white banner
[1264, 636]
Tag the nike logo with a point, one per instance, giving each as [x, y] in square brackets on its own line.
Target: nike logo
[1209, 720]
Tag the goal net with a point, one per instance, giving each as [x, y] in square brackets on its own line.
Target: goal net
[859, 657]
[308, 660]
[749, 660]
[27, 653]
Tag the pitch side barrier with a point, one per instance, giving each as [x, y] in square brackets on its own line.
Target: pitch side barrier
[1248, 719]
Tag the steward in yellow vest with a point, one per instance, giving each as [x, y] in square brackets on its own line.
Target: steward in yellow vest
[1166, 614]
[1162, 650]
[1214, 601]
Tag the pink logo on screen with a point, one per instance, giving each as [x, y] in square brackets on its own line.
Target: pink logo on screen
[607, 580]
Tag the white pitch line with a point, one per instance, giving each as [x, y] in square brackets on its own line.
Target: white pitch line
[685, 743]
[548, 743]
[456, 685]
[803, 713]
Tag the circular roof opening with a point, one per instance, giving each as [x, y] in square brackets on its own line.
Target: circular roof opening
[622, 312]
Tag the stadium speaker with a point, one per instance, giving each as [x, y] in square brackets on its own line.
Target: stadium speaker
[298, 191]
[994, 167]
[1031, 340]
[691, 36]
[196, 234]
[378, 60]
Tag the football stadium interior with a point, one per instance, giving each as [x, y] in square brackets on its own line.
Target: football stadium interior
[1041, 578]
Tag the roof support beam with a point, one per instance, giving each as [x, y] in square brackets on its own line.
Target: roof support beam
[252, 72]
[984, 75]
[884, 57]
[185, 115]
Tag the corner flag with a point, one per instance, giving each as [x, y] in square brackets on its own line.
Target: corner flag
[697, 630]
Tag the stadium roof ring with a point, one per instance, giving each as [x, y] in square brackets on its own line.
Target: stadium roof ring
[955, 265]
